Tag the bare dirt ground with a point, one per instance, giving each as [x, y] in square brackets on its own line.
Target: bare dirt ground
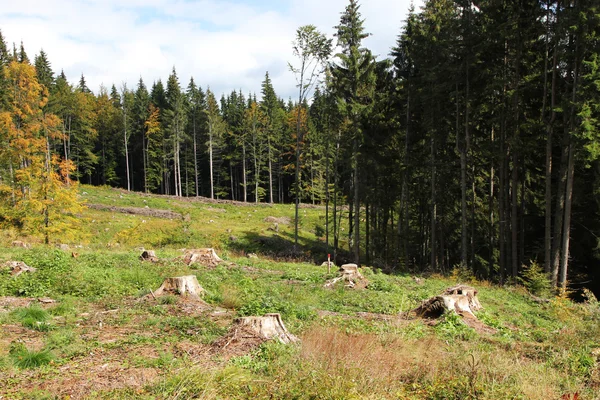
[148, 212]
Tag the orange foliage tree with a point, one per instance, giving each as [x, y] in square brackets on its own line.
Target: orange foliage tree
[36, 194]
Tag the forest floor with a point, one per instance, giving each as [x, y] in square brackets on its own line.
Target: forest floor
[85, 326]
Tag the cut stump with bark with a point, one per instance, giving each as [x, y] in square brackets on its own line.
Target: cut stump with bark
[148, 255]
[247, 333]
[182, 285]
[18, 267]
[269, 327]
[207, 257]
[461, 300]
[351, 276]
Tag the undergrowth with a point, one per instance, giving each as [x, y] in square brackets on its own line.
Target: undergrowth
[355, 344]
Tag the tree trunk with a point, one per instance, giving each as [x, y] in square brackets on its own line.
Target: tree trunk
[570, 174]
[356, 206]
[196, 160]
[514, 224]
[567, 222]
[210, 160]
[244, 183]
[560, 209]
[327, 156]
[231, 181]
[433, 205]
[270, 172]
[491, 213]
[549, 134]
[125, 140]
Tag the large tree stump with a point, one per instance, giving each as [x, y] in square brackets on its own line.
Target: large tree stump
[181, 285]
[207, 257]
[18, 267]
[267, 327]
[351, 276]
[468, 291]
[461, 300]
[148, 255]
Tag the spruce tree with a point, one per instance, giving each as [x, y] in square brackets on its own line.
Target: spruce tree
[354, 84]
[44, 70]
[270, 107]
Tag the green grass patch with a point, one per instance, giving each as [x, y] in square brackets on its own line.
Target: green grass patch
[28, 359]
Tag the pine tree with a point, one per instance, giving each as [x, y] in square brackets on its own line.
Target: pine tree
[197, 123]
[82, 86]
[4, 61]
[175, 123]
[354, 82]
[140, 116]
[108, 127]
[270, 107]
[44, 71]
[215, 130]
[22, 55]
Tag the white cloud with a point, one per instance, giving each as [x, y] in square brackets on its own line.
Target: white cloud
[225, 44]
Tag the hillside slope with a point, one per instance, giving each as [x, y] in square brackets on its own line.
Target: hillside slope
[106, 336]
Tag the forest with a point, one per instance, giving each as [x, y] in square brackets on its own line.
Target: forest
[473, 144]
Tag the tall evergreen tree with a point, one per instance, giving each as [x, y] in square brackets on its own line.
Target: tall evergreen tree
[354, 82]
[44, 70]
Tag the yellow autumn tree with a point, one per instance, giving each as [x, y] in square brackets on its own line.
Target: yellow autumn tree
[36, 195]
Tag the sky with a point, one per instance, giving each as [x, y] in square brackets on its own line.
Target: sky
[223, 44]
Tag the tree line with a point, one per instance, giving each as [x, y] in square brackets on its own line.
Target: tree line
[473, 144]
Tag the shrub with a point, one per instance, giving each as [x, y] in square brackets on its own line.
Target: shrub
[535, 279]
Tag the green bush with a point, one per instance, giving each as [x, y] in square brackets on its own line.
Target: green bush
[535, 280]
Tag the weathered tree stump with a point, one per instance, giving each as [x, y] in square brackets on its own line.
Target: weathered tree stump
[468, 291]
[267, 327]
[19, 243]
[351, 276]
[18, 267]
[461, 300]
[148, 255]
[182, 285]
[206, 257]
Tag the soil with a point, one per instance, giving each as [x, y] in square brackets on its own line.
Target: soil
[147, 212]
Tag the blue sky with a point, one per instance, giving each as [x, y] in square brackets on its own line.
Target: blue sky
[225, 44]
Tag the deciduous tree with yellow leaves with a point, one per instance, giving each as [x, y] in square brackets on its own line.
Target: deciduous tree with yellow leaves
[36, 194]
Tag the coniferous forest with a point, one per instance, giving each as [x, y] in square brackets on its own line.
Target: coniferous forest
[473, 144]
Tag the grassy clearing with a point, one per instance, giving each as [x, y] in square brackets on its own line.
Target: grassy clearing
[104, 338]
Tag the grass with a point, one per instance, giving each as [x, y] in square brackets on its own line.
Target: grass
[104, 331]
[27, 359]
[33, 317]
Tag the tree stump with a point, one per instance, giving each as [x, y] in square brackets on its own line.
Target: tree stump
[182, 285]
[461, 300]
[206, 257]
[18, 267]
[267, 327]
[352, 277]
[468, 291]
[19, 243]
[148, 255]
